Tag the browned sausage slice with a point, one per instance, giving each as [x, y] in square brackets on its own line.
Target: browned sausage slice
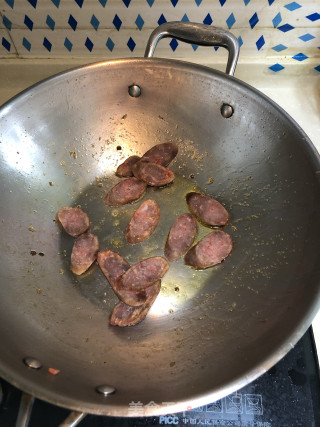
[208, 210]
[152, 173]
[211, 250]
[112, 265]
[134, 298]
[73, 220]
[126, 315]
[142, 274]
[84, 252]
[181, 236]
[125, 191]
[162, 154]
[143, 222]
[125, 169]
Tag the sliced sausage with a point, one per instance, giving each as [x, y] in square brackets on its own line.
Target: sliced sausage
[143, 222]
[152, 173]
[211, 250]
[132, 297]
[84, 252]
[181, 236]
[126, 315]
[142, 274]
[112, 265]
[125, 191]
[125, 169]
[162, 154]
[74, 220]
[208, 210]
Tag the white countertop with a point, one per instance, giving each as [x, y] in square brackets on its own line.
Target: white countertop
[297, 90]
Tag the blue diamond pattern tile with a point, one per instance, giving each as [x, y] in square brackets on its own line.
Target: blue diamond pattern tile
[215, 48]
[67, 44]
[173, 44]
[230, 21]
[28, 22]
[131, 44]
[260, 43]
[285, 28]
[79, 3]
[10, 3]
[72, 22]
[47, 44]
[240, 41]
[110, 44]
[26, 44]
[279, 47]
[276, 67]
[300, 57]
[6, 44]
[88, 44]
[276, 20]
[306, 37]
[7, 23]
[139, 22]
[282, 15]
[208, 20]
[314, 16]
[317, 68]
[162, 19]
[293, 6]
[33, 3]
[117, 22]
[95, 22]
[50, 22]
[253, 20]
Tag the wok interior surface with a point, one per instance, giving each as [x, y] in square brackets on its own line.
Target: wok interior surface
[60, 144]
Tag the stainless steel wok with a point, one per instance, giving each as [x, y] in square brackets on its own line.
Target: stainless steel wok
[210, 332]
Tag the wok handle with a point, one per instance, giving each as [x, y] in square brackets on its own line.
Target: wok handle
[200, 34]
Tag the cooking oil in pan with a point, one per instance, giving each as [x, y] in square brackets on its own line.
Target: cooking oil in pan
[181, 283]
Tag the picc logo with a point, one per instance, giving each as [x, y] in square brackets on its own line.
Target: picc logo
[168, 419]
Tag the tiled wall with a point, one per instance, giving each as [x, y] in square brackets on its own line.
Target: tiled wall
[280, 30]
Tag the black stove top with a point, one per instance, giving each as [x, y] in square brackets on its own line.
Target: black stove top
[288, 395]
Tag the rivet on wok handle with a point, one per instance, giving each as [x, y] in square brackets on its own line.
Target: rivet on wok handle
[106, 390]
[134, 91]
[226, 111]
[33, 363]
